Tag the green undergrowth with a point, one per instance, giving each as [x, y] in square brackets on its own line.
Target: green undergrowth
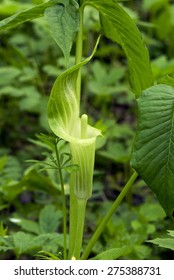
[30, 181]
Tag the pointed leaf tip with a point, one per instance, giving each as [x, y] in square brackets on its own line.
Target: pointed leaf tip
[63, 21]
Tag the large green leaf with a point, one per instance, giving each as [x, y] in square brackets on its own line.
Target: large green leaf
[119, 27]
[26, 15]
[63, 22]
[153, 150]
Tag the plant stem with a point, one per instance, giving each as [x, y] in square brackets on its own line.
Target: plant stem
[78, 56]
[76, 222]
[73, 217]
[63, 200]
[110, 212]
[81, 209]
[77, 217]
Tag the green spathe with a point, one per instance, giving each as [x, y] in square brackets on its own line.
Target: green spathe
[83, 155]
[65, 122]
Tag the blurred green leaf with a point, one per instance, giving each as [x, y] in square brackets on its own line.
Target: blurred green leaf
[49, 219]
[22, 242]
[31, 244]
[27, 225]
[106, 81]
[28, 74]
[116, 152]
[152, 212]
[11, 170]
[6, 243]
[163, 31]
[3, 161]
[8, 74]
[30, 98]
[113, 254]
[3, 230]
[155, 4]
[9, 7]
[167, 80]
[26, 15]
[162, 66]
[142, 251]
[44, 255]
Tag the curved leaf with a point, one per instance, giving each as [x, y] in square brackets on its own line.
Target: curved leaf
[120, 28]
[153, 150]
[26, 15]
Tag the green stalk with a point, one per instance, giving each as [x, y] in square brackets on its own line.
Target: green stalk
[81, 209]
[77, 211]
[111, 211]
[78, 56]
[63, 201]
[73, 217]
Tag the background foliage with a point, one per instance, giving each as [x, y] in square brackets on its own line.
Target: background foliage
[29, 63]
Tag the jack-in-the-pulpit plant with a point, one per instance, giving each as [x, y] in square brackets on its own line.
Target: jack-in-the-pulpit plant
[153, 149]
[66, 122]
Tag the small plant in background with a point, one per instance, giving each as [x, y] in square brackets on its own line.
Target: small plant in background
[152, 153]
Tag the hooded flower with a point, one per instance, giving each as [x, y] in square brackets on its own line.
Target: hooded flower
[65, 122]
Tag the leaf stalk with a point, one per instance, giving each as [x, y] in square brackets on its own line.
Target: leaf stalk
[108, 215]
[63, 199]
